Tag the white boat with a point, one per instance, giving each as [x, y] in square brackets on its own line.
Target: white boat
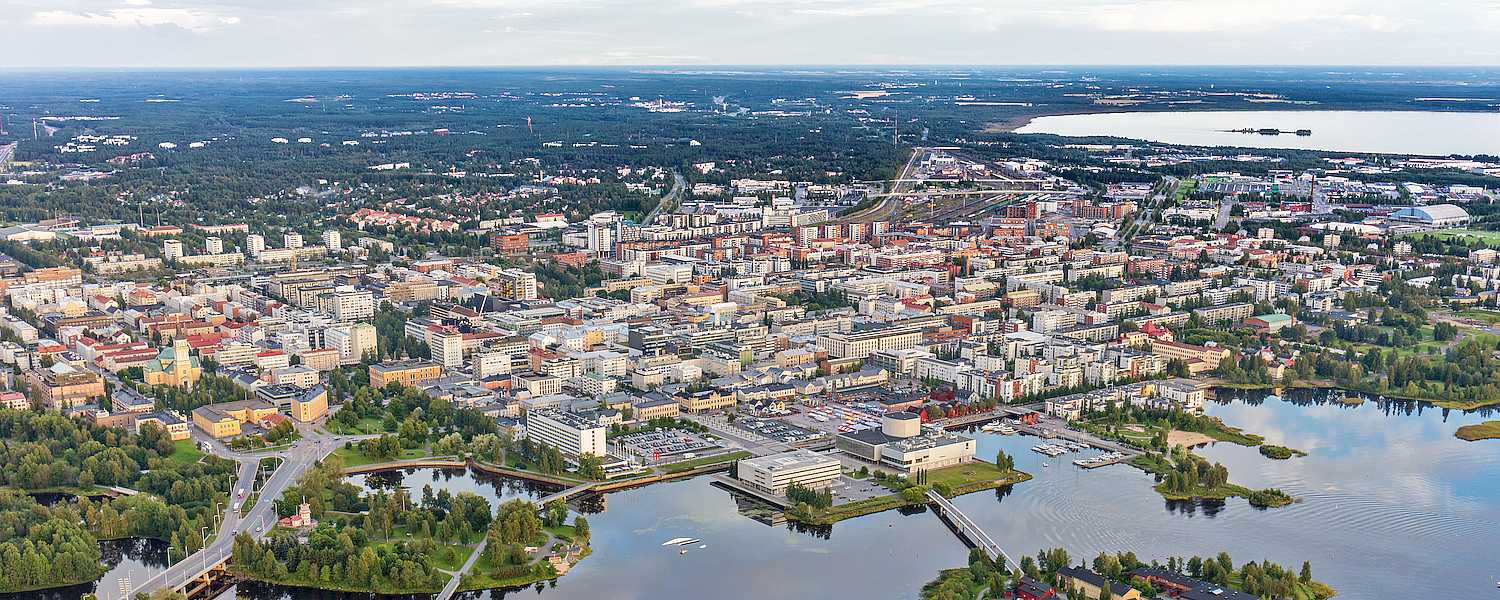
[681, 541]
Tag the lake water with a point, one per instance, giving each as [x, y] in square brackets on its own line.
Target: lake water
[1393, 506]
[1392, 132]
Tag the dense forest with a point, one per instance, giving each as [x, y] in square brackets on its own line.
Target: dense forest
[50, 452]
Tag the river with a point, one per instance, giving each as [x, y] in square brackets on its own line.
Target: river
[1392, 132]
[1393, 506]
[130, 561]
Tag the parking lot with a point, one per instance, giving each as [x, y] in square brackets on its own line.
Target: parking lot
[777, 430]
[837, 418]
[663, 444]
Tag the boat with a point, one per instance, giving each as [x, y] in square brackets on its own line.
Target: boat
[682, 551]
[681, 541]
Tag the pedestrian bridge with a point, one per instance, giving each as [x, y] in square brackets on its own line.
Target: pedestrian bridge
[968, 530]
[565, 494]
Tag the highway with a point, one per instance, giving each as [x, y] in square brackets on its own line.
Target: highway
[669, 201]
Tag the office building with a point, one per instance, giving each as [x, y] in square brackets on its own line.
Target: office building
[776, 472]
[255, 244]
[353, 342]
[407, 372]
[571, 433]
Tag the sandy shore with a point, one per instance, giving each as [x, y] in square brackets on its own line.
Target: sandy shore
[1187, 438]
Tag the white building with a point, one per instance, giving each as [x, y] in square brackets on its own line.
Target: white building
[350, 305]
[291, 240]
[573, 434]
[255, 244]
[171, 250]
[516, 284]
[333, 241]
[213, 244]
[776, 472]
[352, 341]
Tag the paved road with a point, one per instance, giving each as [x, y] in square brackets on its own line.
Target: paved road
[296, 460]
[452, 587]
[670, 201]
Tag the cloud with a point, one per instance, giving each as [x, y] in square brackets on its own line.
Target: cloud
[1224, 16]
[196, 21]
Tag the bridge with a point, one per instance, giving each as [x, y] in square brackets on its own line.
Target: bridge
[968, 530]
[199, 573]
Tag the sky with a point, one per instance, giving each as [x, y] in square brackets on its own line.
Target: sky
[56, 34]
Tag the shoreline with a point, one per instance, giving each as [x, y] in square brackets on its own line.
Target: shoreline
[1323, 384]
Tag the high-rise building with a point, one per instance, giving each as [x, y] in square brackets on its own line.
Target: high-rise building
[171, 250]
[349, 305]
[255, 244]
[447, 346]
[572, 433]
[333, 241]
[292, 240]
[516, 284]
[352, 341]
[213, 244]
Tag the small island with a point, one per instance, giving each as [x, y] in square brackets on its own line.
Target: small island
[1273, 451]
[1271, 131]
[1488, 430]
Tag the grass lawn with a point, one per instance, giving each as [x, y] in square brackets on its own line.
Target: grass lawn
[352, 457]
[686, 465]
[1479, 314]
[1490, 238]
[960, 477]
[1488, 430]
[185, 452]
[364, 426]
[443, 559]
[565, 533]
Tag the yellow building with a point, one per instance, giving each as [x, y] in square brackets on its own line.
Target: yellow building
[704, 400]
[227, 418]
[310, 406]
[175, 366]
[408, 373]
[1091, 584]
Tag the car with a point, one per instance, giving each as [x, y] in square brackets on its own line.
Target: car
[257, 528]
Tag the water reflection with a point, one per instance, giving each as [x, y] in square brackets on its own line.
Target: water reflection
[1385, 483]
[130, 561]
